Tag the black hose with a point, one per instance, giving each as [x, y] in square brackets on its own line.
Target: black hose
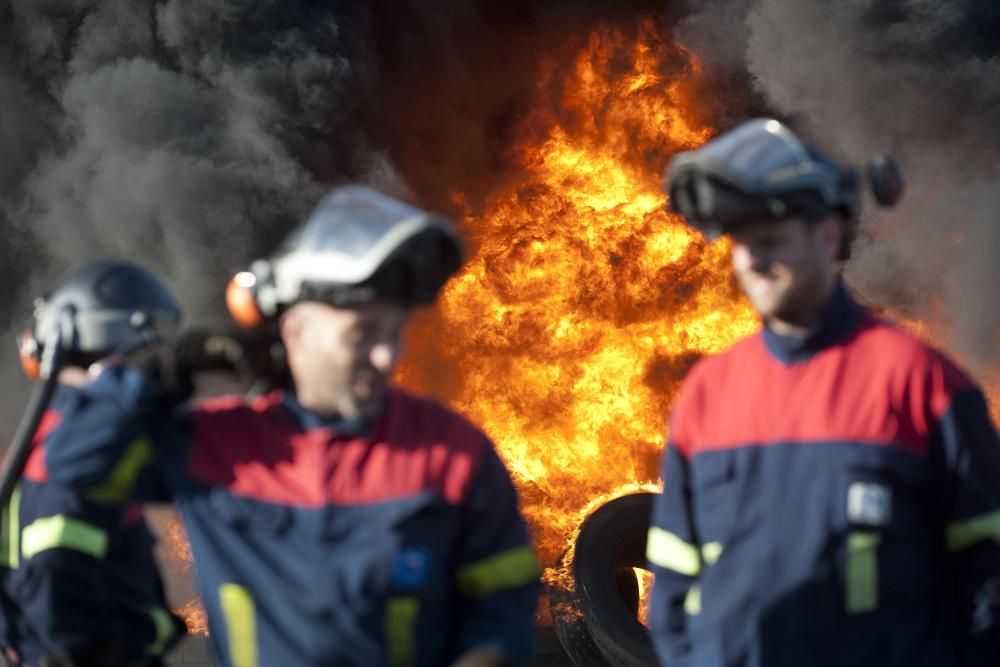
[20, 448]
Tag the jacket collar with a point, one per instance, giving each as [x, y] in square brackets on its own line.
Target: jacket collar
[839, 317]
[309, 420]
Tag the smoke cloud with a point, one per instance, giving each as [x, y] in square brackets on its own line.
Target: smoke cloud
[189, 135]
[920, 80]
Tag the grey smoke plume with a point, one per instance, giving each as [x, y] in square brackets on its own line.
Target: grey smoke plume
[919, 79]
[187, 135]
[190, 134]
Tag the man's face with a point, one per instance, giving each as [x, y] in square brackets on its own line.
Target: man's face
[341, 359]
[787, 268]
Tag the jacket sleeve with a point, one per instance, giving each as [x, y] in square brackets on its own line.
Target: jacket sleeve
[969, 464]
[675, 561]
[498, 574]
[56, 547]
[151, 629]
[103, 447]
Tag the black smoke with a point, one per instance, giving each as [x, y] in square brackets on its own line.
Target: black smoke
[187, 135]
[918, 79]
[190, 134]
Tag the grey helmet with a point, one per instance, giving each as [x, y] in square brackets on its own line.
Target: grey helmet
[357, 246]
[105, 307]
[762, 171]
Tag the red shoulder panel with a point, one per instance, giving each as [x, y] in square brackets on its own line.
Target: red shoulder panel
[132, 515]
[880, 387]
[256, 450]
[34, 469]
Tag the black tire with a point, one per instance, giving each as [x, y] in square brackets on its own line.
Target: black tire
[598, 624]
[572, 630]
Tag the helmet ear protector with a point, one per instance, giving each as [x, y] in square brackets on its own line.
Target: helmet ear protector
[107, 307]
[251, 297]
[29, 351]
[30, 346]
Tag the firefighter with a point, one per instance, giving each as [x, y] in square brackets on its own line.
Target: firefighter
[831, 490]
[341, 520]
[78, 583]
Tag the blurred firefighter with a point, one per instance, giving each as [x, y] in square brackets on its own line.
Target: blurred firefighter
[831, 484]
[341, 521]
[79, 583]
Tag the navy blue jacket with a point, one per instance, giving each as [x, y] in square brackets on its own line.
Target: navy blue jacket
[400, 543]
[833, 500]
[77, 576]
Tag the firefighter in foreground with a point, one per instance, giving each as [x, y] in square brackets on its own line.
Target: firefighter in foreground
[343, 521]
[79, 582]
[831, 484]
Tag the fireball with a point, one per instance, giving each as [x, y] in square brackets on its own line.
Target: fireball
[586, 301]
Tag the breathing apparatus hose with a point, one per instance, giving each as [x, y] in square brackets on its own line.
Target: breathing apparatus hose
[20, 449]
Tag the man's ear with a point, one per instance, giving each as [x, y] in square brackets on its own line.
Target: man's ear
[832, 231]
[290, 324]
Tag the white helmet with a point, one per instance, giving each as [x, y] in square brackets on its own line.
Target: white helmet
[357, 246]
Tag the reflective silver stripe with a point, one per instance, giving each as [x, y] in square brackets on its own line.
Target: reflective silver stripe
[63, 532]
[967, 532]
[711, 552]
[692, 601]
[163, 622]
[665, 549]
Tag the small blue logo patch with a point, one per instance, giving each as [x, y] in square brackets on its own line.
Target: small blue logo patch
[869, 504]
[411, 567]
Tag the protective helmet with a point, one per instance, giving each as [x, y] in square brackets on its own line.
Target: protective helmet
[762, 171]
[107, 306]
[357, 246]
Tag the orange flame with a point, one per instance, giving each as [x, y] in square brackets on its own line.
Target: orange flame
[176, 540]
[645, 579]
[179, 549]
[586, 301]
[194, 617]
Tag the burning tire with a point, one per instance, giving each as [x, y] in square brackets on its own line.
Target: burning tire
[598, 624]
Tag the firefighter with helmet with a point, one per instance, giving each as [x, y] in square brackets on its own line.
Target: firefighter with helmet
[831, 490]
[339, 521]
[78, 582]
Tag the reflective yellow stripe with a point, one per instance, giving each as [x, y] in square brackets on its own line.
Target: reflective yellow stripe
[665, 549]
[11, 528]
[400, 622]
[861, 593]
[508, 569]
[163, 622]
[241, 624]
[121, 480]
[692, 601]
[63, 532]
[711, 552]
[963, 534]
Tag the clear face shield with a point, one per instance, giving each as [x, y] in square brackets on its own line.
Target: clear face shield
[761, 171]
[360, 246]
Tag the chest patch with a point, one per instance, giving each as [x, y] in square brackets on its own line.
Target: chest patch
[411, 567]
[869, 504]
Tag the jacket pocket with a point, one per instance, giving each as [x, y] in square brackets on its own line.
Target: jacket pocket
[247, 515]
[716, 484]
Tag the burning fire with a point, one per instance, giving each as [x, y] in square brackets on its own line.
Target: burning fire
[172, 533]
[586, 300]
[645, 579]
[194, 617]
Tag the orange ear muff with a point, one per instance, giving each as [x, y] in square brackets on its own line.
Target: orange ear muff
[28, 352]
[242, 302]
